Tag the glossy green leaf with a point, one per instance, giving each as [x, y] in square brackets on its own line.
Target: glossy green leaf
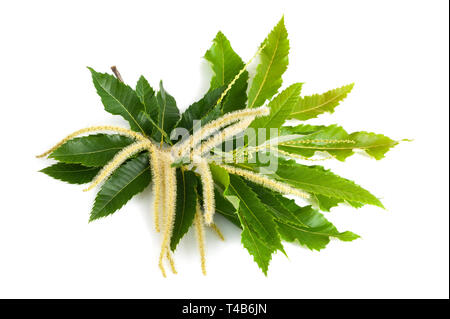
[203, 110]
[273, 63]
[280, 108]
[147, 96]
[128, 180]
[375, 145]
[91, 150]
[120, 99]
[71, 173]
[226, 64]
[225, 208]
[185, 205]
[260, 236]
[325, 203]
[317, 180]
[169, 115]
[318, 233]
[304, 224]
[220, 176]
[275, 204]
[309, 107]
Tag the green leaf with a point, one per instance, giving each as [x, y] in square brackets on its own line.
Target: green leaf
[71, 173]
[317, 180]
[147, 96]
[260, 236]
[274, 61]
[280, 108]
[128, 180]
[169, 115]
[325, 203]
[304, 224]
[185, 205]
[91, 150]
[225, 208]
[201, 110]
[310, 107]
[375, 145]
[226, 64]
[276, 204]
[317, 235]
[220, 176]
[120, 99]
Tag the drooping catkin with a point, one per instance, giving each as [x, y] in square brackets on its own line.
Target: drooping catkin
[216, 125]
[207, 187]
[222, 136]
[117, 160]
[200, 231]
[116, 129]
[217, 231]
[169, 202]
[265, 181]
[171, 261]
[158, 182]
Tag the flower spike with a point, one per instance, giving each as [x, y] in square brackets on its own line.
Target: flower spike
[208, 188]
[217, 231]
[264, 181]
[200, 237]
[170, 201]
[158, 181]
[222, 136]
[216, 125]
[117, 160]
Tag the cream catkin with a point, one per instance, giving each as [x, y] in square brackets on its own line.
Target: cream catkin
[171, 261]
[200, 231]
[265, 181]
[217, 231]
[215, 125]
[222, 136]
[158, 181]
[116, 129]
[239, 74]
[318, 141]
[208, 188]
[170, 202]
[287, 154]
[117, 160]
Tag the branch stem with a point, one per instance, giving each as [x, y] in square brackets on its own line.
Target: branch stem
[117, 73]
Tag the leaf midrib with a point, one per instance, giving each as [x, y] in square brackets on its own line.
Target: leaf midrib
[304, 230]
[77, 171]
[339, 148]
[320, 105]
[121, 104]
[115, 195]
[295, 182]
[268, 70]
[241, 199]
[93, 152]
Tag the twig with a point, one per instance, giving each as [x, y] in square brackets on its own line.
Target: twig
[116, 73]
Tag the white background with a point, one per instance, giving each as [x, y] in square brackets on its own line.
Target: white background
[395, 51]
